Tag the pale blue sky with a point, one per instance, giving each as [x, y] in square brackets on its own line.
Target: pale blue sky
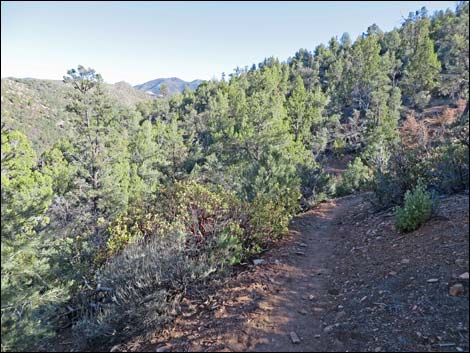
[141, 41]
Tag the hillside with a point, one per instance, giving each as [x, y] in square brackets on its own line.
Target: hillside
[37, 107]
[314, 204]
[174, 85]
[127, 95]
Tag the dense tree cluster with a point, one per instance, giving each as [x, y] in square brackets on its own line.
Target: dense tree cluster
[215, 174]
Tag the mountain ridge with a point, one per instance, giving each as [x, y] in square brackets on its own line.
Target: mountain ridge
[174, 85]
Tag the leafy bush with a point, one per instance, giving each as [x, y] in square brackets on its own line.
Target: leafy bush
[338, 146]
[155, 257]
[405, 167]
[211, 218]
[416, 210]
[449, 168]
[357, 177]
[267, 220]
[322, 188]
[215, 219]
[121, 233]
[444, 169]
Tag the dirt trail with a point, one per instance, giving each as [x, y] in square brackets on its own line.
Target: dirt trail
[259, 308]
[343, 280]
[303, 290]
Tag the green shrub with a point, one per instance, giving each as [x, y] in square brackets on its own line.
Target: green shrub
[33, 294]
[267, 221]
[416, 210]
[211, 217]
[233, 229]
[448, 165]
[357, 177]
[317, 186]
[228, 247]
[421, 100]
[325, 187]
[153, 257]
[404, 168]
[122, 231]
[338, 146]
[444, 169]
[215, 219]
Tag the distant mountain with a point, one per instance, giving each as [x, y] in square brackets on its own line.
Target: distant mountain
[125, 94]
[37, 107]
[174, 85]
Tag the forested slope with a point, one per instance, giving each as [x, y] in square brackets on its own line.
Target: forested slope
[37, 107]
[124, 210]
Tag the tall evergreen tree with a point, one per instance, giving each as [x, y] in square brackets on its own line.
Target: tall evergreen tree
[422, 71]
[100, 160]
[29, 289]
[450, 32]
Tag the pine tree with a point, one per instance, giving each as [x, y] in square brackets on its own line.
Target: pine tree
[175, 151]
[99, 157]
[145, 159]
[367, 73]
[297, 111]
[30, 292]
[54, 164]
[305, 110]
[450, 33]
[422, 71]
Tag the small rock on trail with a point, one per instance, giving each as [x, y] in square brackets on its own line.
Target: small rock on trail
[294, 338]
[456, 290]
[464, 276]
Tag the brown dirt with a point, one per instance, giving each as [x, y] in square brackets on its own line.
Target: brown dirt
[344, 280]
[383, 280]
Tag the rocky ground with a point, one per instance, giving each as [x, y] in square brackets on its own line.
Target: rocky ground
[344, 280]
[402, 292]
